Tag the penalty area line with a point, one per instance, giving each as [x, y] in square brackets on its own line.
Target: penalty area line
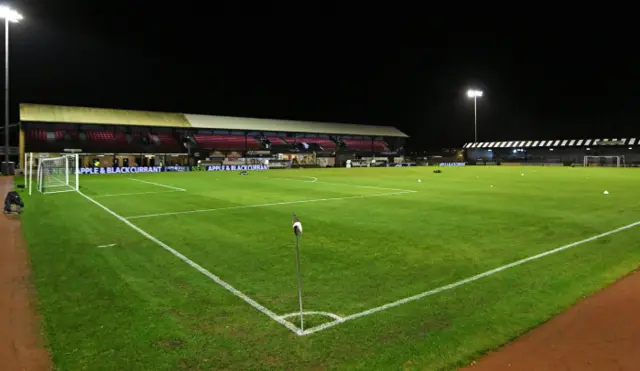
[342, 184]
[158, 184]
[199, 268]
[464, 281]
[134, 194]
[313, 179]
[365, 186]
[266, 205]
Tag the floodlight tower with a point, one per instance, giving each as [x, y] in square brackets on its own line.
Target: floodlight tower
[9, 15]
[475, 94]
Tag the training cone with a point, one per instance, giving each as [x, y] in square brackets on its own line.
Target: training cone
[606, 192]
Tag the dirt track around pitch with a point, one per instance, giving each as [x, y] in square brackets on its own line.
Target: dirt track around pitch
[602, 333]
[21, 347]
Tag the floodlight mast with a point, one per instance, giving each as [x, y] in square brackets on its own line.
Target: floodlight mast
[475, 94]
[9, 15]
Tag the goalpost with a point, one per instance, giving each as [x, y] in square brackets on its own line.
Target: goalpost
[27, 171]
[56, 174]
[609, 161]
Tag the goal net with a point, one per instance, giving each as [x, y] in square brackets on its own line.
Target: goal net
[607, 161]
[58, 174]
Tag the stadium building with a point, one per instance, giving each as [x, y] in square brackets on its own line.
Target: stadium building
[590, 152]
[123, 138]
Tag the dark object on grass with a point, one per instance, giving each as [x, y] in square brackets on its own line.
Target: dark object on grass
[437, 171]
[21, 186]
[244, 173]
[13, 203]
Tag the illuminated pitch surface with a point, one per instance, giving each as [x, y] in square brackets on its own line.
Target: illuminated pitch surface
[368, 241]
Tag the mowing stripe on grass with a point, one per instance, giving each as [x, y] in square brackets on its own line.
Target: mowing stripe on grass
[464, 281]
[266, 205]
[132, 194]
[313, 179]
[158, 184]
[343, 184]
[364, 186]
[200, 269]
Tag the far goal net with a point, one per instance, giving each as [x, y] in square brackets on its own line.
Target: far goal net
[58, 174]
[606, 161]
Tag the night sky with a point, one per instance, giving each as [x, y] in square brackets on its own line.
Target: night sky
[540, 81]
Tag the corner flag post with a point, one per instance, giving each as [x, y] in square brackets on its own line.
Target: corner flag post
[297, 230]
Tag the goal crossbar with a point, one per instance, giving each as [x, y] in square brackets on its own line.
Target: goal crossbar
[55, 174]
[613, 161]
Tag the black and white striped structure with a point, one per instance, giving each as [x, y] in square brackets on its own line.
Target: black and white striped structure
[554, 150]
[555, 143]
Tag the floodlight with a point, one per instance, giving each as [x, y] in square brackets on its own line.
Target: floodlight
[9, 14]
[474, 93]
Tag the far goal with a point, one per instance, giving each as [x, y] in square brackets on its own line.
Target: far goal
[58, 174]
[607, 161]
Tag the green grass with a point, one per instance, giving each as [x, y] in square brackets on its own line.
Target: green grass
[135, 306]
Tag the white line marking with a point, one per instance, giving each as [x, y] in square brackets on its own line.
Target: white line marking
[158, 184]
[101, 246]
[326, 314]
[364, 186]
[200, 269]
[465, 281]
[66, 190]
[266, 205]
[314, 179]
[343, 184]
[133, 194]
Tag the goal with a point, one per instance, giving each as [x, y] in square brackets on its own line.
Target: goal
[608, 161]
[58, 174]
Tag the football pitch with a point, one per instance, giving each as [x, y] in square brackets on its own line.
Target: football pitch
[190, 271]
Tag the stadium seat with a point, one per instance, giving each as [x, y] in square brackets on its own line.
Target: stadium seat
[37, 134]
[276, 140]
[325, 143]
[73, 134]
[100, 136]
[139, 138]
[120, 138]
[225, 142]
[107, 140]
[166, 141]
[365, 145]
